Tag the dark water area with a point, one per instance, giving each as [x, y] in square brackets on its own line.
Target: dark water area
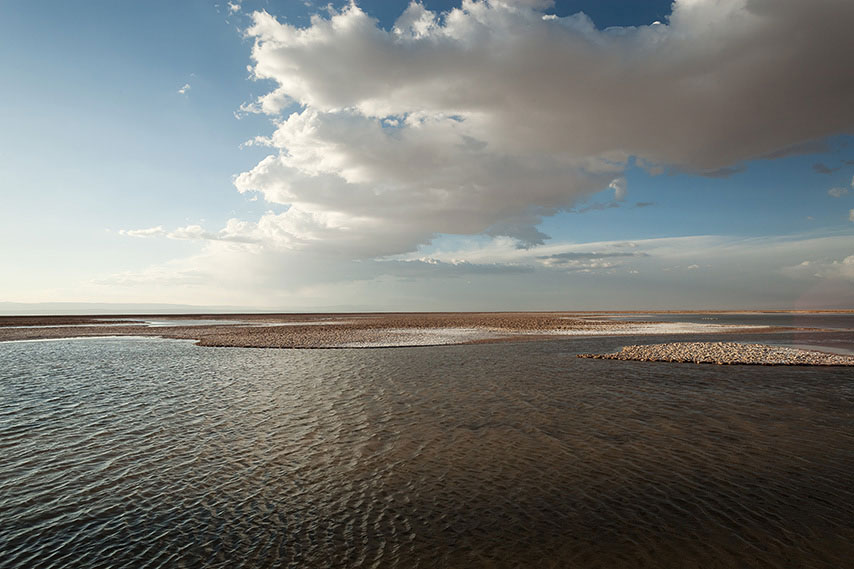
[157, 453]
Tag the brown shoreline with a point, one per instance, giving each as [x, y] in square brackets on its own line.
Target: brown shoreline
[336, 330]
[293, 330]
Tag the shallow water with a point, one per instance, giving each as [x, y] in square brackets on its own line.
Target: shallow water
[830, 321]
[159, 323]
[157, 453]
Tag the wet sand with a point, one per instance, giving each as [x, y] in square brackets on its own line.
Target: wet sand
[725, 353]
[346, 330]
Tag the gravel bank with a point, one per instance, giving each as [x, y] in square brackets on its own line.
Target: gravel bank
[725, 353]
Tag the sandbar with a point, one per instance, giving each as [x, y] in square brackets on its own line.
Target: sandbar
[350, 330]
[726, 353]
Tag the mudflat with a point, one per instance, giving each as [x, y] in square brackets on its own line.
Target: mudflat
[339, 330]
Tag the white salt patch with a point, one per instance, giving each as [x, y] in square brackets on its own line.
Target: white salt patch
[168, 323]
[305, 323]
[400, 337]
[653, 328]
[33, 326]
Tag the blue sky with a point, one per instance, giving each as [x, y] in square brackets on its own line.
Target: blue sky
[446, 165]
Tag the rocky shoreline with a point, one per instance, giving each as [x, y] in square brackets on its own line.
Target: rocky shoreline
[725, 353]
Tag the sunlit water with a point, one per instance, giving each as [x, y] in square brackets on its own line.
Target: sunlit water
[158, 453]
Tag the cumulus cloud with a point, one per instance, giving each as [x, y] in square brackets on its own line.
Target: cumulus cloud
[185, 89]
[481, 121]
[486, 118]
[851, 215]
[357, 184]
[837, 192]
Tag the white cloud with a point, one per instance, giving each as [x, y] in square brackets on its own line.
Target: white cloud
[841, 269]
[495, 274]
[489, 117]
[560, 85]
[233, 7]
[837, 192]
[619, 186]
[235, 231]
[185, 89]
[851, 215]
[397, 187]
[149, 232]
[481, 121]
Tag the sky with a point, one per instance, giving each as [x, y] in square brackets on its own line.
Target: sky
[444, 155]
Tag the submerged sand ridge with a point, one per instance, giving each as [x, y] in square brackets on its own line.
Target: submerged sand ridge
[725, 353]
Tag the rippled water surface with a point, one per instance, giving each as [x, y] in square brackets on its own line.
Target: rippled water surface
[157, 453]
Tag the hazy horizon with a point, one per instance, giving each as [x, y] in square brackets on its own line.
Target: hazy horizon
[130, 309]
